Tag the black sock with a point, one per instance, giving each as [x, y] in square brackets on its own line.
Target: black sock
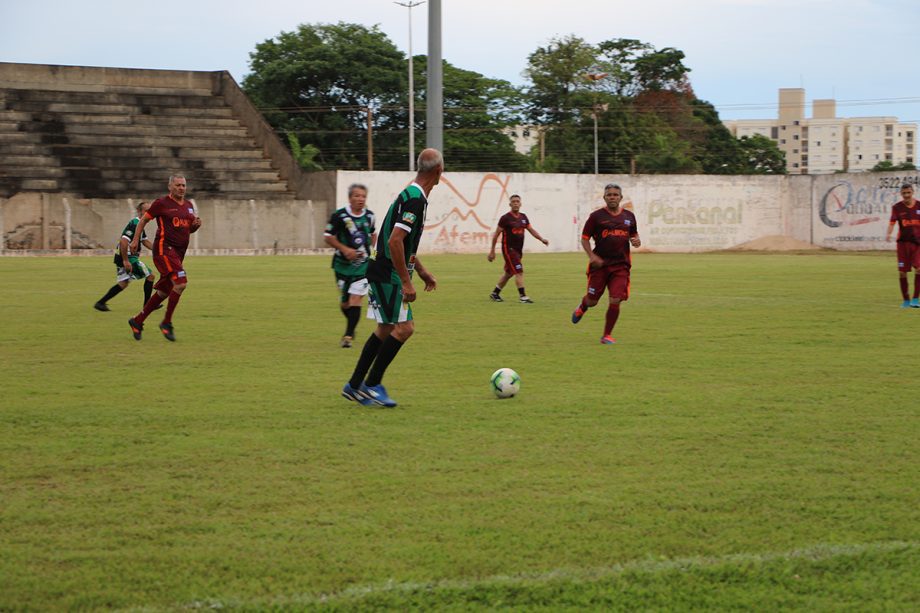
[113, 291]
[354, 315]
[368, 354]
[388, 351]
[497, 290]
[148, 290]
[521, 291]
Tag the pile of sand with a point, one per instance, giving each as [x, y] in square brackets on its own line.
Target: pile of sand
[775, 243]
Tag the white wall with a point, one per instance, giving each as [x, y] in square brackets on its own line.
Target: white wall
[674, 212]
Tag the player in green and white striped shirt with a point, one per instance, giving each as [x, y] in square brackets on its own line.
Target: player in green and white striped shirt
[389, 274]
[127, 264]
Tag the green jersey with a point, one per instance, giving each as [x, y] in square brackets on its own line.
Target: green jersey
[408, 214]
[128, 233]
[352, 231]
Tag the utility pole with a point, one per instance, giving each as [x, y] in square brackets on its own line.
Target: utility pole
[410, 5]
[435, 110]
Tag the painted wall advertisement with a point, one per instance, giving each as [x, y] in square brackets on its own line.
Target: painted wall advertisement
[674, 213]
[851, 212]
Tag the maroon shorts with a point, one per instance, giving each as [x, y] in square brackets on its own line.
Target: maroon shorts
[908, 257]
[513, 264]
[170, 266]
[614, 279]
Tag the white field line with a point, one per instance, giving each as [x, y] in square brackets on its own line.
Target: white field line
[815, 553]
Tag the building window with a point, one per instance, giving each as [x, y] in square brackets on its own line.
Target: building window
[818, 143]
[782, 141]
[795, 137]
[910, 160]
[859, 157]
[796, 165]
[774, 133]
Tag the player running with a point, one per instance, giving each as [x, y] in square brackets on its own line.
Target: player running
[128, 264]
[613, 230]
[351, 232]
[906, 214]
[176, 220]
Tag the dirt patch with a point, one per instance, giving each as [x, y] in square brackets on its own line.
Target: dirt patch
[775, 243]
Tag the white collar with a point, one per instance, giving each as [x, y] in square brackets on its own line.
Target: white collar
[352, 213]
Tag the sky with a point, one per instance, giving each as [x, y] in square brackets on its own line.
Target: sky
[863, 53]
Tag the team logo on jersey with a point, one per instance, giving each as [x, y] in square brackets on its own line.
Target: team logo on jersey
[628, 222]
[191, 211]
[409, 217]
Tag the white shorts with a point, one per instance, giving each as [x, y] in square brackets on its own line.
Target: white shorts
[139, 271]
[356, 288]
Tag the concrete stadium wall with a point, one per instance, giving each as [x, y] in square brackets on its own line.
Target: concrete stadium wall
[36, 221]
[675, 213]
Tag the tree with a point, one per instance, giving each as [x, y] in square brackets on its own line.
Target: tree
[761, 156]
[476, 110]
[317, 83]
[887, 165]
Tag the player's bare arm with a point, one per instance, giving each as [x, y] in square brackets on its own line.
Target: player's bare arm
[398, 257]
[634, 241]
[891, 226]
[349, 253]
[594, 260]
[495, 236]
[147, 243]
[431, 283]
[537, 236]
[123, 249]
[138, 233]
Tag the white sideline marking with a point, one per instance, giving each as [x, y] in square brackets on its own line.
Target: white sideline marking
[814, 553]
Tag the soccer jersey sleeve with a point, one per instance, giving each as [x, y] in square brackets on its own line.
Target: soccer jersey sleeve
[129, 230]
[634, 226]
[411, 215]
[894, 214]
[588, 230]
[335, 226]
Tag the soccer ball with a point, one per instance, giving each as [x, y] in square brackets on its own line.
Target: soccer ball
[505, 383]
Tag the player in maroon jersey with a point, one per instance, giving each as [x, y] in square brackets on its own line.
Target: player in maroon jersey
[176, 220]
[613, 230]
[906, 214]
[511, 228]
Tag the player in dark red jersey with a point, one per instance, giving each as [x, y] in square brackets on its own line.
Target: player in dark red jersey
[906, 214]
[613, 230]
[176, 220]
[511, 228]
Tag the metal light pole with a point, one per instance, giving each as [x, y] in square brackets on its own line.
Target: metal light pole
[595, 77]
[409, 5]
[435, 91]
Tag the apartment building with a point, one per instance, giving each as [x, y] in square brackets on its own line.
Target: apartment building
[826, 143]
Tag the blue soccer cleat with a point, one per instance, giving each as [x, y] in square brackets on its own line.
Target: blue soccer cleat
[377, 394]
[904, 305]
[915, 303]
[351, 393]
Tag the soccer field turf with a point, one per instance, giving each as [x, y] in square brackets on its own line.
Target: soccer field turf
[750, 442]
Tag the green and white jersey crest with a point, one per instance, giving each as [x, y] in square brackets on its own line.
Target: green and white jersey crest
[407, 213]
[353, 231]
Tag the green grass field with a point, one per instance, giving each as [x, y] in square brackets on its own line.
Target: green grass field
[751, 442]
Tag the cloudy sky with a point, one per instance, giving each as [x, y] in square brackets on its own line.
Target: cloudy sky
[863, 53]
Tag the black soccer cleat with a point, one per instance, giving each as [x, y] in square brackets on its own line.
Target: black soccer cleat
[101, 306]
[136, 329]
[167, 330]
[495, 297]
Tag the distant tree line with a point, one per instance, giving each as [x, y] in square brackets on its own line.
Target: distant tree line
[320, 86]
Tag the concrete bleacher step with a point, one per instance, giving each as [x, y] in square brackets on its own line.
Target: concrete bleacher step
[105, 141]
[145, 98]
